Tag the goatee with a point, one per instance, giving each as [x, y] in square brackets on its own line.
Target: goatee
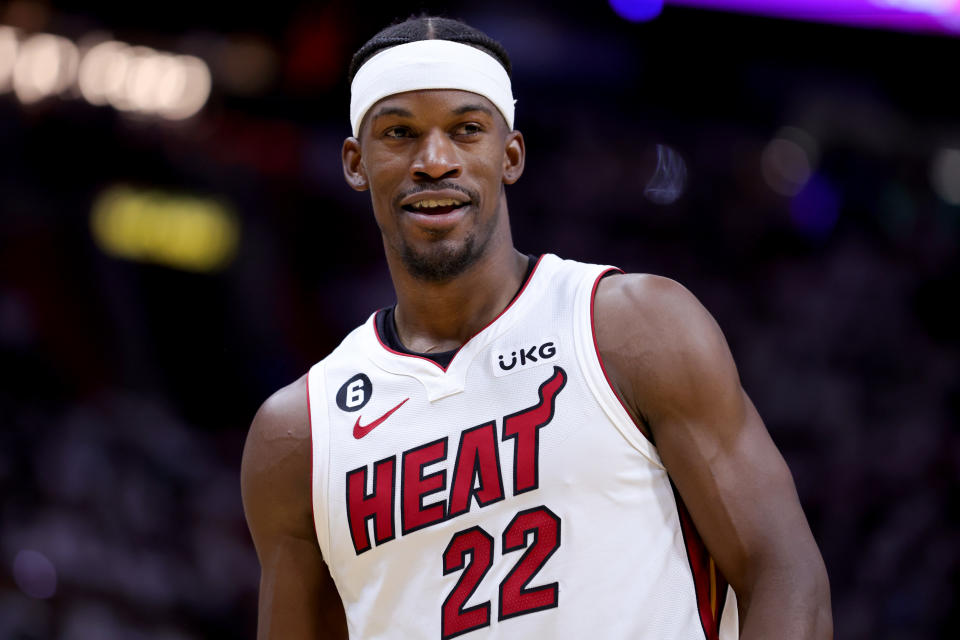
[442, 262]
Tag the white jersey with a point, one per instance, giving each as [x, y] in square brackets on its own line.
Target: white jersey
[509, 495]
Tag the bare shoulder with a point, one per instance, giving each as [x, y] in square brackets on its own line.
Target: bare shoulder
[670, 363]
[658, 342]
[298, 598]
[652, 305]
[275, 472]
[280, 429]
[284, 414]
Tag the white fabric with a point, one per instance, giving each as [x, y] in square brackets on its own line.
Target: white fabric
[430, 64]
[621, 566]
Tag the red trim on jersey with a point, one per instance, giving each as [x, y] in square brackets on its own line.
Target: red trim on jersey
[596, 349]
[708, 583]
[409, 355]
[442, 368]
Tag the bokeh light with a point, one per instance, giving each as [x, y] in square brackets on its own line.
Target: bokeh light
[186, 98]
[938, 16]
[180, 231]
[103, 72]
[637, 10]
[945, 175]
[35, 574]
[146, 81]
[789, 160]
[45, 66]
[144, 74]
[815, 210]
[130, 78]
[8, 56]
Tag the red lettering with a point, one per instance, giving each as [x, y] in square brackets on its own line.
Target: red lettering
[477, 457]
[361, 506]
[476, 474]
[524, 427]
[416, 486]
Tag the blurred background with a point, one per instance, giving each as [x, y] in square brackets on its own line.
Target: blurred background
[177, 242]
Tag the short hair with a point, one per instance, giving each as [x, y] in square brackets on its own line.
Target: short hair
[424, 27]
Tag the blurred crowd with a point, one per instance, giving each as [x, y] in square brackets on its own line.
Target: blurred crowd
[793, 189]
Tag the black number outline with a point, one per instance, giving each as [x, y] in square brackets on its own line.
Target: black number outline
[524, 589]
[461, 564]
[464, 566]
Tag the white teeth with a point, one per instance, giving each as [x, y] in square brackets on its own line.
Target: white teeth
[432, 204]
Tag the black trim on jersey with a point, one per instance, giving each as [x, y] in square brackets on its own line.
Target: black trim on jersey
[536, 433]
[555, 586]
[473, 493]
[366, 496]
[387, 325]
[420, 506]
[461, 567]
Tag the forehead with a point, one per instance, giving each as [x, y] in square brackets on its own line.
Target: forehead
[426, 103]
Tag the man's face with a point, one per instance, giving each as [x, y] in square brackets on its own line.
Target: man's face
[435, 162]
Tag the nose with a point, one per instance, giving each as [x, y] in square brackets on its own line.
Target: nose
[436, 158]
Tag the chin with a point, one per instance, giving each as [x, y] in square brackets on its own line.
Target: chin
[443, 260]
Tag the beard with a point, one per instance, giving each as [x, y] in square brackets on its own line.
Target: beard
[444, 260]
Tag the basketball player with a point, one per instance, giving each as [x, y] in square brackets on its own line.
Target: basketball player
[523, 447]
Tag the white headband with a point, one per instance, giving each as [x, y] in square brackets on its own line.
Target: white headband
[430, 64]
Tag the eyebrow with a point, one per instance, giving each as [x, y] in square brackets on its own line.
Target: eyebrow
[467, 108]
[405, 113]
[392, 111]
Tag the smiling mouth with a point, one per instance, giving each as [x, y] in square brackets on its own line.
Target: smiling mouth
[435, 207]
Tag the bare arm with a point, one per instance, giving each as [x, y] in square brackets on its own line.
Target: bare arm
[298, 599]
[669, 361]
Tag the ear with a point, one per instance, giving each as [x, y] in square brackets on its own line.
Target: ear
[353, 169]
[514, 156]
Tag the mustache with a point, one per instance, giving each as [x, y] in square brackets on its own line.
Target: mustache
[437, 186]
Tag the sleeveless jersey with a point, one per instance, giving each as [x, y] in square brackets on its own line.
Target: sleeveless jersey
[509, 495]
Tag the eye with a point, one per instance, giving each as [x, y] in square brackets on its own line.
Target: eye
[468, 129]
[397, 132]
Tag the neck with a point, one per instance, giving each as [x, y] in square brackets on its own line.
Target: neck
[440, 316]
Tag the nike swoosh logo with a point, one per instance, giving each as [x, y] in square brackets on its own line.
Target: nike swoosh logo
[361, 430]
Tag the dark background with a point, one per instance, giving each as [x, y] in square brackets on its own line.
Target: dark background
[127, 386]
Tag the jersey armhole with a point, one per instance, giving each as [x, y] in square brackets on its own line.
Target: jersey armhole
[594, 372]
[320, 456]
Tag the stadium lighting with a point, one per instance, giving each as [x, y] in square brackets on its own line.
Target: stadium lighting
[789, 160]
[103, 72]
[182, 231]
[130, 78]
[945, 175]
[637, 10]
[45, 65]
[8, 56]
[931, 16]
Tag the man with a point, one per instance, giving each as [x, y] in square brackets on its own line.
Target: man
[479, 460]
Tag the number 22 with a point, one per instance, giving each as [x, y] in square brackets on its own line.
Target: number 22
[516, 598]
